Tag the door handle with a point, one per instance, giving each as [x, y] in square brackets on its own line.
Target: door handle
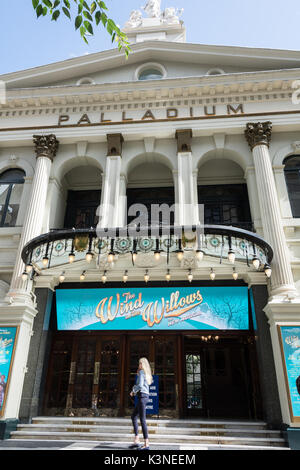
[96, 373]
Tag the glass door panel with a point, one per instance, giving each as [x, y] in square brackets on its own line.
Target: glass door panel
[138, 347]
[109, 389]
[194, 395]
[84, 373]
[164, 359]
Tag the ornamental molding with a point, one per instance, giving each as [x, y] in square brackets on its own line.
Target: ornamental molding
[45, 146]
[201, 90]
[258, 133]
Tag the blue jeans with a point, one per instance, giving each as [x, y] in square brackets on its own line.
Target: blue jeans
[140, 410]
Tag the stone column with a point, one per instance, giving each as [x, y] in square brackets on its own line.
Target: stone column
[186, 192]
[123, 202]
[45, 147]
[258, 136]
[109, 211]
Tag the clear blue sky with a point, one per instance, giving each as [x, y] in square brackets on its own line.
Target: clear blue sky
[27, 42]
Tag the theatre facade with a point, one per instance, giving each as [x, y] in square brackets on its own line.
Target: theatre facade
[150, 207]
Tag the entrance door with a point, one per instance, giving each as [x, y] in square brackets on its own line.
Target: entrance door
[161, 351]
[84, 376]
[217, 381]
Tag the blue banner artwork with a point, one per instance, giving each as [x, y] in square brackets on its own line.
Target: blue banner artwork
[291, 348]
[153, 308]
[7, 342]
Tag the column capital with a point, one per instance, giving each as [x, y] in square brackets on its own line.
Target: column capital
[258, 133]
[184, 137]
[114, 145]
[45, 146]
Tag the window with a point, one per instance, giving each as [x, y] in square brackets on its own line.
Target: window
[226, 205]
[215, 71]
[11, 187]
[150, 71]
[86, 81]
[150, 74]
[292, 178]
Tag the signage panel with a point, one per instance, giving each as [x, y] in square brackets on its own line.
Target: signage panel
[152, 407]
[7, 346]
[290, 346]
[153, 308]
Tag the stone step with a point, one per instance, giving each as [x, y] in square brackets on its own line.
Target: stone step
[191, 423]
[127, 429]
[164, 438]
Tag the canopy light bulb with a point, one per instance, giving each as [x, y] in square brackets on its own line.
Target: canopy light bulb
[180, 255]
[255, 262]
[157, 255]
[235, 275]
[29, 268]
[199, 255]
[134, 256]
[62, 277]
[168, 276]
[45, 261]
[89, 256]
[82, 276]
[71, 257]
[190, 276]
[268, 270]
[104, 277]
[231, 256]
[111, 257]
[125, 276]
[212, 275]
[24, 276]
[146, 276]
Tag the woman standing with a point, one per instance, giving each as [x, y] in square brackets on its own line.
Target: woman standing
[141, 389]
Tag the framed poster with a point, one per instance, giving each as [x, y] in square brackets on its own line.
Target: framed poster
[153, 308]
[290, 351]
[8, 340]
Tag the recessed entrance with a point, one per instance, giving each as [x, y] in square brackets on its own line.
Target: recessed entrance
[219, 378]
[91, 374]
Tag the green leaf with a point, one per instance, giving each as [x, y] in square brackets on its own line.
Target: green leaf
[67, 3]
[93, 7]
[66, 12]
[88, 16]
[48, 3]
[56, 3]
[55, 15]
[39, 10]
[88, 27]
[78, 21]
[35, 3]
[102, 5]
[98, 17]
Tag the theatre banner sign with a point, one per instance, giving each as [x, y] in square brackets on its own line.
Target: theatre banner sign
[8, 337]
[153, 308]
[290, 349]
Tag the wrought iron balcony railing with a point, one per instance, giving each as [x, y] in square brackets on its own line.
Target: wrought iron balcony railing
[61, 247]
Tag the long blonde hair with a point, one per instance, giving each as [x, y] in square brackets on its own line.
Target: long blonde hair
[147, 369]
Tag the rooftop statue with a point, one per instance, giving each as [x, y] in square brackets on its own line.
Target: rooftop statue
[171, 15]
[152, 8]
[135, 19]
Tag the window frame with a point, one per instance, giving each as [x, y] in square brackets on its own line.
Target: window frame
[10, 183]
[150, 65]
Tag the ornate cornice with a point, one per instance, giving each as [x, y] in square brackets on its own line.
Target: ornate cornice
[45, 145]
[258, 133]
